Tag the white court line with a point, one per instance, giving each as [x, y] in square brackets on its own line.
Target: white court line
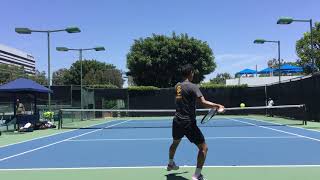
[35, 139]
[48, 145]
[165, 139]
[161, 167]
[282, 125]
[51, 135]
[286, 132]
[136, 120]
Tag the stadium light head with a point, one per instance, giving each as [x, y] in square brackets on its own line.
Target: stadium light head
[62, 49]
[73, 30]
[285, 20]
[23, 30]
[99, 48]
[259, 41]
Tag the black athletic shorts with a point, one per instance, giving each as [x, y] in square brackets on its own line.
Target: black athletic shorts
[188, 128]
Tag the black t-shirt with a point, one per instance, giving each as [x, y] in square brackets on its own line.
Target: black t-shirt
[186, 96]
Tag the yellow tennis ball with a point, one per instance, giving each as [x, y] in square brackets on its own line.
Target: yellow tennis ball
[242, 105]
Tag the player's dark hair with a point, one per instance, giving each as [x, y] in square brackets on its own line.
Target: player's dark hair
[186, 70]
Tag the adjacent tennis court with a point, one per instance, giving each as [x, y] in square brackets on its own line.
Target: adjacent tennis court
[240, 147]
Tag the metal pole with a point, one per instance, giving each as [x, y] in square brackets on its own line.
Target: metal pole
[311, 41]
[81, 94]
[279, 62]
[14, 111]
[49, 73]
[266, 97]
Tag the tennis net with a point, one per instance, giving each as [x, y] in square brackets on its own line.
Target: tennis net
[162, 118]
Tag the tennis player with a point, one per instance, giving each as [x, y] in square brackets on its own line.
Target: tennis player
[184, 122]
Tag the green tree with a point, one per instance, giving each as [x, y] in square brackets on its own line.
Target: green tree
[220, 78]
[59, 77]
[39, 77]
[274, 63]
[303, 47]
[10, 72]
[156, 60]
[93, 73]
[108, 76]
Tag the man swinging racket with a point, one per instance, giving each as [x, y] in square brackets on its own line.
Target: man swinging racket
[184, 122]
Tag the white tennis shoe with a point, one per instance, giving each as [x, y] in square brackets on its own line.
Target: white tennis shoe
[198, 178]
[172, 166]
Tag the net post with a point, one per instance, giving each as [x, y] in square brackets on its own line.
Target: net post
[305, 119]
[60, 119]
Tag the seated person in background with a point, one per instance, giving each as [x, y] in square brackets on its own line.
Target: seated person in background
[270, 103]
[20, 108]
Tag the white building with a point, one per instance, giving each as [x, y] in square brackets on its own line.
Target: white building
[12, 56]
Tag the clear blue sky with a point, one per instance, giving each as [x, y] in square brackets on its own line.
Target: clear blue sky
[229, 27]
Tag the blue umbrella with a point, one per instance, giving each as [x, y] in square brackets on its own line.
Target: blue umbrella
[24, 85]
[247, 71]
[287, 68]
[266, 71]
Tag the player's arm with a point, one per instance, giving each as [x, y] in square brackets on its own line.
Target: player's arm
[204, 102]
[209, 104]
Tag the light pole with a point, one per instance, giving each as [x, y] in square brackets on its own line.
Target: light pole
[48, 32]
[262, 41]
[289, 20]
[80, 50]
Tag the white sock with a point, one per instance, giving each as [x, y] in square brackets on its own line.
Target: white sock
[198, 172]
[171, 161]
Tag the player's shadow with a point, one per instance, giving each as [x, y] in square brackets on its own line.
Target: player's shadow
[176, 176]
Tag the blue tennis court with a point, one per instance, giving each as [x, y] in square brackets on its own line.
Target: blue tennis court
[240, 142]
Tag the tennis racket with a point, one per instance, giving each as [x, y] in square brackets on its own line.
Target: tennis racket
[209, 115]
